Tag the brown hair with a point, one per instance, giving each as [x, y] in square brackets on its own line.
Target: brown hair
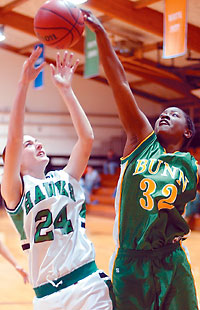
[4, 154]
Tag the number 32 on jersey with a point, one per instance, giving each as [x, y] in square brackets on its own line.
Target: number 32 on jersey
[148, 187]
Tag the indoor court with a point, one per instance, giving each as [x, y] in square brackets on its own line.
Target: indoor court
[17, 296]
[158, 77]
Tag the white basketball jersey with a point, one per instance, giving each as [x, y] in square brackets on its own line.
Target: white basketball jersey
[51, 221]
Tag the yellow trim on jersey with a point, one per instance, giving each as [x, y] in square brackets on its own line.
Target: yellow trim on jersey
[197, 171]
[120, 196]
[123, 158]
[189, 264]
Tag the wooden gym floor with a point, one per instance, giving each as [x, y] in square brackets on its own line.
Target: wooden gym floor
[14, 295]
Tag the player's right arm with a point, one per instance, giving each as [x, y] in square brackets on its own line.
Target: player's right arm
[135, 123]
[11, 187]
[62, 78]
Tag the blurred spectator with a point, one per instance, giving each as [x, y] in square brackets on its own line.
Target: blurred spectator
[114, 192]
[193, 208]
[111, 164]
[195, 151]
[82, 184]
[91, 180]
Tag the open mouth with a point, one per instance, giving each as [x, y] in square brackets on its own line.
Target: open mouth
[41, 153]
[164, 122]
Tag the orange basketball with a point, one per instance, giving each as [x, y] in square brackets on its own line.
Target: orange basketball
[59, 24]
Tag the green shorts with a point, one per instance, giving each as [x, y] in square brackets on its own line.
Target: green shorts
[154, 280]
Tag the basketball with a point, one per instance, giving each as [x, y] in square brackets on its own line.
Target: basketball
[59, 24]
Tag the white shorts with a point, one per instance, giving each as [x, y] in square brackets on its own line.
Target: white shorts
[90, 293]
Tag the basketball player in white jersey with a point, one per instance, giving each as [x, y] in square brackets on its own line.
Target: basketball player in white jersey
[49, 210]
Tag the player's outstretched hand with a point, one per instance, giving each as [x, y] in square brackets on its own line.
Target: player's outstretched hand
[92, 21]
[29, 72]
[63, 73]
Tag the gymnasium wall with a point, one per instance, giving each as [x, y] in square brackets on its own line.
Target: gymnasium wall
[47, 117]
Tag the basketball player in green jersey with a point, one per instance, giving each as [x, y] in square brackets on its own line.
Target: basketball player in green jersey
[149, 268]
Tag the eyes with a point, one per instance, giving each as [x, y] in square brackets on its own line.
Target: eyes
[174, 114]
[28, 143]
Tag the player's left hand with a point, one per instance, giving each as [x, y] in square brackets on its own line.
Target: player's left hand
[29, 72]
[63, 73]
[23, 273]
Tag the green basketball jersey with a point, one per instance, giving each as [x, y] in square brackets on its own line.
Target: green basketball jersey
[153, 190]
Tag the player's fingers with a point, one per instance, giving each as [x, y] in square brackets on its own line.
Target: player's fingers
[89, 21]
[40, 67]
[58, 62]
[86, 12]
[35, 54]
[26, 280]
[65, 58]
[69, 62]
[53, 69]
[75, 65]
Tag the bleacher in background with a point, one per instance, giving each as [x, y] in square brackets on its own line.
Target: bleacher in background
[102, 199]
[59, 161]
[104, 196]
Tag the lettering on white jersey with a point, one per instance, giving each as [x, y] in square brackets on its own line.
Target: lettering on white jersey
[51, 189]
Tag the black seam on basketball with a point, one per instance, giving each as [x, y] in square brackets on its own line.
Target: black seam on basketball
[76, 23]
[76, 18]
[55, 42]
[69, 31]
[72, 24]
[55, 13]
[79, 13]
[70, 11]
[64, 28]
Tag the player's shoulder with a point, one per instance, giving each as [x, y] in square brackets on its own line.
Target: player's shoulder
[148, 143]
[61, 174]
[56, 173]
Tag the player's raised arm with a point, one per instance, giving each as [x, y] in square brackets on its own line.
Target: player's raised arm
[62, 78]
[135, 123]
[11, 187]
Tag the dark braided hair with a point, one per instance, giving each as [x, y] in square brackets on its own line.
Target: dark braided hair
[191, 127]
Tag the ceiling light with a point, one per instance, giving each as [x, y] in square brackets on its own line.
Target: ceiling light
[196, 92]
[78, 1]
[2, 36]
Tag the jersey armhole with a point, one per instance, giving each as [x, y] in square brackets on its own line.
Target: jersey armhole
[19, 205]
[148, 140]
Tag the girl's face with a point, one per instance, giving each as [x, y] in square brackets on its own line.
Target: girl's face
[33, 154]
[171, 126]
